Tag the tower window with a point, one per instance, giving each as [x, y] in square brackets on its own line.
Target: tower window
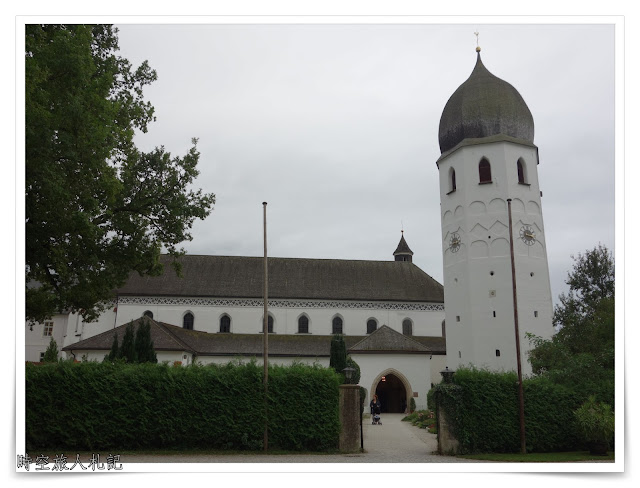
[494, 313]
[484, 170]
[187, 321]
[459, 354]
[225, 323]
[535, 313]
[407, 327]
[457, 318]
[452, 180]
[372, 325]
[336, 325]
[522, 175]
[303, 325]
[444, 331]
[497, 353]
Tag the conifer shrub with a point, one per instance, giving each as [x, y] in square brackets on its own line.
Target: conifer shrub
[120, 406]
[51, 354]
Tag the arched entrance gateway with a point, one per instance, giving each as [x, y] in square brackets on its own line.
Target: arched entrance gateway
[392, 388]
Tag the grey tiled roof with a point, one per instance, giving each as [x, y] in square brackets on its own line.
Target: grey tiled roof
[163, 337]
[327, 279]
[168, 337]
[387, 339]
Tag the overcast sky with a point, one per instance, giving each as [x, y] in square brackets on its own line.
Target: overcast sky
[336, 127]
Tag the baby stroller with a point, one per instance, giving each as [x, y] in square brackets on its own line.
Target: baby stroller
[376, 416]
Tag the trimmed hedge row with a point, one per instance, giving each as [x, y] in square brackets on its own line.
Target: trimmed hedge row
[483, 411]
[101, 406]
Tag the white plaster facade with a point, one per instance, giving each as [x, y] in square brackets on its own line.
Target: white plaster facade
[247, 314]
[477, 275]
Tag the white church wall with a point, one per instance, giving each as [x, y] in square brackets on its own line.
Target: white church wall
[37, 340]
[77, 329]
[98, 356]
[249, 319]
[273, 360]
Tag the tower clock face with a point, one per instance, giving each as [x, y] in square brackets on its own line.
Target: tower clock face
[527, 235]
[454, 242]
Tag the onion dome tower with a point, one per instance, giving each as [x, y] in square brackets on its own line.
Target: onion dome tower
[490, 210]
[403, 253]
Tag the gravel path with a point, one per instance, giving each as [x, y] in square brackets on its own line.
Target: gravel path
[392, 442]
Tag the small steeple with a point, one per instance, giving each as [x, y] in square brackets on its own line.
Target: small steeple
[403, 253]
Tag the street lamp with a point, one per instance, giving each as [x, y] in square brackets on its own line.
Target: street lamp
[447, 375]
[348, 373]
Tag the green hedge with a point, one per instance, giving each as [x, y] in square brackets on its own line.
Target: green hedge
[483, 411]
[100, 406]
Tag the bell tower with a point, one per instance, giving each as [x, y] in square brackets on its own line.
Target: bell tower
[494, 247]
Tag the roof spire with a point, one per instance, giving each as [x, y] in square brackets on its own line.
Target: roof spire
[477, 34]
[403, 253]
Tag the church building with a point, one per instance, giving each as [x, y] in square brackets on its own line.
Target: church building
[391, 313]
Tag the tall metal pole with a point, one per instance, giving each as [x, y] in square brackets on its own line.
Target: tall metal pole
[523, 448]
[265, 338]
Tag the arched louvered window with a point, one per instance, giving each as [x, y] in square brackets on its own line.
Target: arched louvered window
[372, 325]
[407, 327]
[148, 313]
[303, 324]
[336, 325]
[484, 170]
[225, 323]
[187, 321]
[522, 176]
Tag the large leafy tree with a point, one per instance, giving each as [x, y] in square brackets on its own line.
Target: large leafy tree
[96, 207]
[581, 354]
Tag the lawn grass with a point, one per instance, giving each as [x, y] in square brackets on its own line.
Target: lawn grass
[540, 457]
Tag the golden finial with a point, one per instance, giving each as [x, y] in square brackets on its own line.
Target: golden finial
[477, 34]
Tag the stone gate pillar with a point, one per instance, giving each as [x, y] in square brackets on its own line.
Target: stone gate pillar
[349, 418]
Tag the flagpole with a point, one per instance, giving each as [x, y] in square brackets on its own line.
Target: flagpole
[265, 338]
[523, 448]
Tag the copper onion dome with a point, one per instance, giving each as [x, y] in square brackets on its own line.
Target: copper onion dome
[484, 106]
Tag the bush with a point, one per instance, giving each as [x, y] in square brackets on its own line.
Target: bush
[596, 425]
[483, 411]
[107, 406]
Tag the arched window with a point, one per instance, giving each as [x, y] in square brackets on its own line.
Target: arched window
[452, 180]
[522, 175]
[225, 323]
[303, 324]
[269, 324]
[407, 327]
[336, 325]
[484, 169]
[187, 321]
[148, 313]
[372, 325]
